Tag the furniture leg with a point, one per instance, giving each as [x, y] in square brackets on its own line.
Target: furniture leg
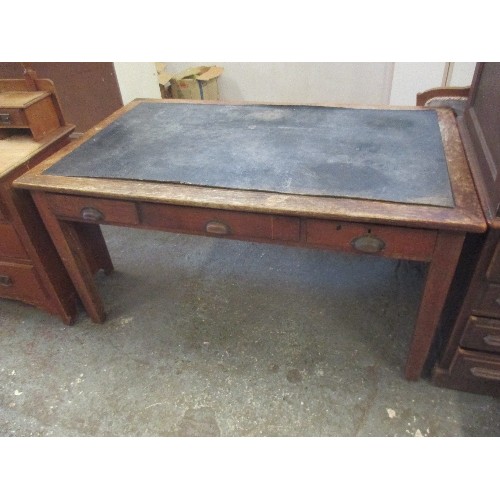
[439, 276]
[95, 248]
[68, 243]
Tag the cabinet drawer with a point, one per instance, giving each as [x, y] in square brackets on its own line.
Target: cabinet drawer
[19, 281]
[488, 301]
[85, 209]
[10, 244]
[10, 117]
[482, 334]
[477, 372]
[224, 223]
[395, 242]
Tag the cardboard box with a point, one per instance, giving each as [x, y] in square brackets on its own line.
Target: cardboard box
[164, 80]
[199, 83]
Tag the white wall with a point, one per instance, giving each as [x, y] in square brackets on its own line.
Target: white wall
[413, 77]
[370, 83]
[461, 74]
[343, 83]
[137, 80]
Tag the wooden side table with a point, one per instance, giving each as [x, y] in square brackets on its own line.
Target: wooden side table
[30, 269]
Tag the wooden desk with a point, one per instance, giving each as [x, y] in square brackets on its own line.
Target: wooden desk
[209, 169]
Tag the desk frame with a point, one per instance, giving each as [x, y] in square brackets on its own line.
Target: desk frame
[409, 231]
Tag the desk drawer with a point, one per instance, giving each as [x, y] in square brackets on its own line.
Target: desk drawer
[224, 223]
[394, 242]
[19, 281]
[10, 244]
[11, 117]
[93, 210]
[482, 334]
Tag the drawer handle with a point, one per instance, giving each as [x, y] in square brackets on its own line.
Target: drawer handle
[217, 227]
[91, 214]
[492, 340]
[487, 373]
[368, 244]
[4, 118]
[6, 281]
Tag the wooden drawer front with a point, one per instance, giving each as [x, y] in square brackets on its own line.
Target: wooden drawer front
[19, 281]
[471, 371]
[488, 301]
[482, 369]
[482, 334]
[395, 242]
[10, 117]
[224, 223]
[84, 209]
[493, 272]
[10, 244]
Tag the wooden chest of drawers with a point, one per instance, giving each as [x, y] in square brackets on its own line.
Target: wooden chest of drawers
[470, 359]
[30, 268]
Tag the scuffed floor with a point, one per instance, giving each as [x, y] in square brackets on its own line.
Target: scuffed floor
[206, 337]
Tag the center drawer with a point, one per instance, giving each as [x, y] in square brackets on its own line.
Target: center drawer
[224, 223]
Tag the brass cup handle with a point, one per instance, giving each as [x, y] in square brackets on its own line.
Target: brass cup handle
[486, 373]
[5, 281]
[492, 340]
[5, 118]
[91, 214]
[217, 227]
[368, 244]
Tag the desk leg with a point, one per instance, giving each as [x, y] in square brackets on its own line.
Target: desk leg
[437, 284]
[95, 248]
[69, 244]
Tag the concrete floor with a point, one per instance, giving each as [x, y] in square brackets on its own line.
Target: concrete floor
[222, 338]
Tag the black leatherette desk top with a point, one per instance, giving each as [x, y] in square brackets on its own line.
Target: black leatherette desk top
[374, 154]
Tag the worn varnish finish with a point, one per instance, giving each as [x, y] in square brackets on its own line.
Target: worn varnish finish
[30, 268]
[397, 230]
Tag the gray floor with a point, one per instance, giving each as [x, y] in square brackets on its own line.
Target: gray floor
[208, 337]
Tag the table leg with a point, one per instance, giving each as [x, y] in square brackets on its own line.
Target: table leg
[69, 245]
[439, 276]
[95, 247]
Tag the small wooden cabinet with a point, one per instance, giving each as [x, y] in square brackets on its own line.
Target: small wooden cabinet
[470, 358]
[31, 129]
[29, 110]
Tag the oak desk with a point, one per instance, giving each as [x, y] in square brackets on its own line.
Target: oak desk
[392, 182]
